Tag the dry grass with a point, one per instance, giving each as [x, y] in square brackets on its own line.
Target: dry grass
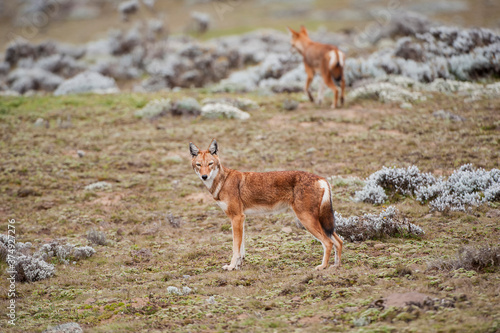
[123, 288]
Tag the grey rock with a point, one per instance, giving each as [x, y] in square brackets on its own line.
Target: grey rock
[87, 82]
[186, 106]
[155, 108]
[290, 104]
[65, 328]
[212, 111]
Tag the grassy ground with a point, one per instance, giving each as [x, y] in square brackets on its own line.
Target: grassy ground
[277, 289]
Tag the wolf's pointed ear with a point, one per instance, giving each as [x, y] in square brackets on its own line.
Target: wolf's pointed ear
[193, 150]
[214, 147]
[295, 33]
[303, 30]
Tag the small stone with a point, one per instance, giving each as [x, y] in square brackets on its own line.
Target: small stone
[211, 300]
[407, 106]
[211, 111]
[98, 186]
[349, 309]
[379, 246]
[186, 276]
[310, 150]
[40, 122]
[290, 104]
[186, 290]
[80, 153]
[65, 328]
[287, 230]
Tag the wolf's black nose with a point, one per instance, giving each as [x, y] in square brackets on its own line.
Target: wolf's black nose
[204, 177]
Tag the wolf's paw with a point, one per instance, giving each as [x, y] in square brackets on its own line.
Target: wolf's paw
[235, 264]
[320, 267]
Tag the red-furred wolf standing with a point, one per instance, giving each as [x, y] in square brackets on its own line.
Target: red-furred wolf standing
[323, 59]
[239, 193]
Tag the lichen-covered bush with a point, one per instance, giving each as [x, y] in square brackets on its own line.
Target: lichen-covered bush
[470, 258]
[441, 52]
[393, 180]
[63, 252]
[31, 268]
[465, 188]
[388, 223]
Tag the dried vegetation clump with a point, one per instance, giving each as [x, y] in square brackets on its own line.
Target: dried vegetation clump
[96, 237]
[388, 223]
[467, 187]
[470, 258]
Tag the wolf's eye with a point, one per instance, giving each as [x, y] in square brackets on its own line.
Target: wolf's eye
[211, 163]
[198, 164]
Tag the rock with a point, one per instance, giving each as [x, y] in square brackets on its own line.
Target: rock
[361, 321]
[128, 8]
[99, 186]
[379, 246]
[201, 21]
[218, 110]
[349, 309]
[87, 82]
[40, 122]
[65, 328]
[244, 104]
[9, 93]
[186, 106]
[211, 300]
[186, 290]
[240, 81]
[406, 106]
[290, 104]
[154, 109]
[385, 92]
[287, 230]
[80, 153]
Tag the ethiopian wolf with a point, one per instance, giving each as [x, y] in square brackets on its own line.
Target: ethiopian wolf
[239, 193]
[323, 59]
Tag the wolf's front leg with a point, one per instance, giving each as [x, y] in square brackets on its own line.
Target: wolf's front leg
[237, 224]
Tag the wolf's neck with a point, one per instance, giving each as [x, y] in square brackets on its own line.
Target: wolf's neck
[218, 182]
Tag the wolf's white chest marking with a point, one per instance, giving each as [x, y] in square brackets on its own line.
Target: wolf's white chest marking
[222, 205]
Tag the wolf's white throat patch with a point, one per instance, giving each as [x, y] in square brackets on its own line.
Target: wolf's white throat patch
[326, 195]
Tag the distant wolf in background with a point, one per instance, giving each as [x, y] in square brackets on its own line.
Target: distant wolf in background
[326, 60]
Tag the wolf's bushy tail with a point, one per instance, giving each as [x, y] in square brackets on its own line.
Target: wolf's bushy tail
[326, 215]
